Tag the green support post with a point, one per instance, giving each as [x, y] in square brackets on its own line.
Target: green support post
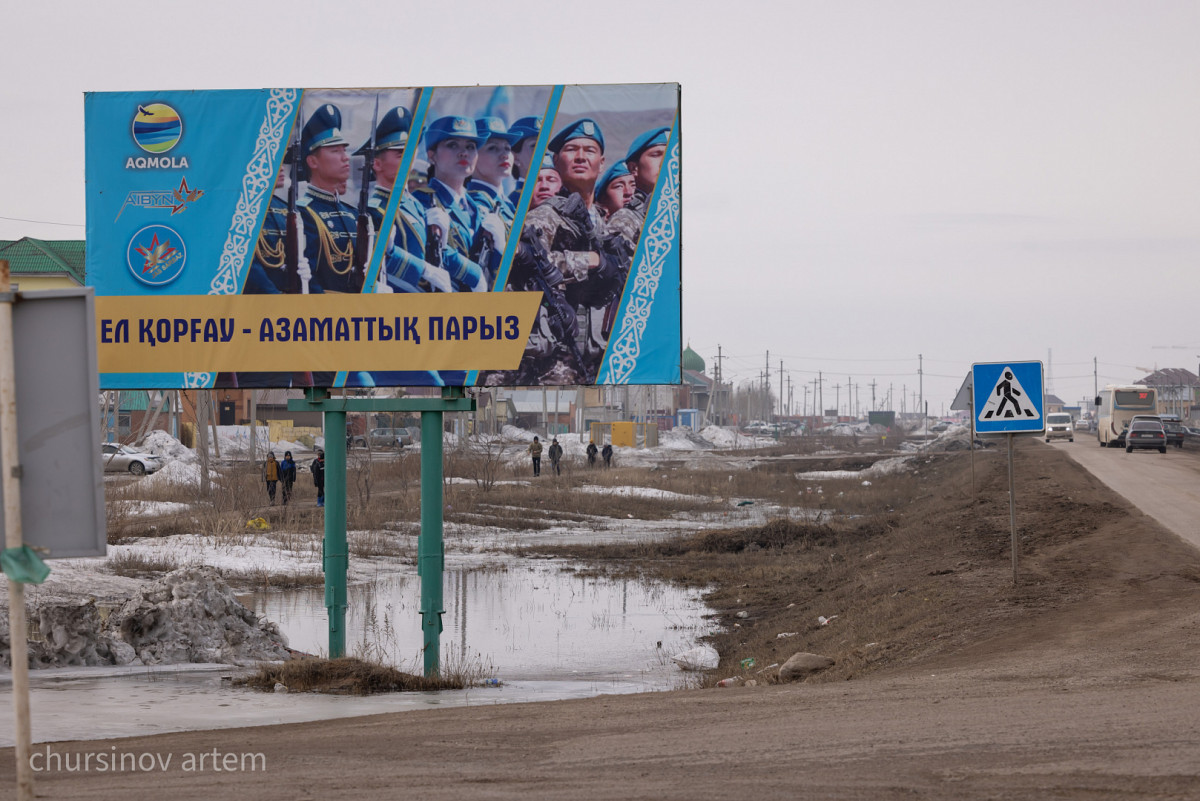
[334, 550]
[431, 553]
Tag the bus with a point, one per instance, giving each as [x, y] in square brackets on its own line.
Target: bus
[1115, 407]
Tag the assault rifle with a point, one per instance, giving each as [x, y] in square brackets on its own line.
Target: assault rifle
[291, 236]
[563, 324]
[362, 255]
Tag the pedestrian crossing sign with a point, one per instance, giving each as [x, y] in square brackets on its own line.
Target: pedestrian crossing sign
[1008, 397]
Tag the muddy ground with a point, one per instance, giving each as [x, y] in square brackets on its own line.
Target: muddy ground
[951, 682]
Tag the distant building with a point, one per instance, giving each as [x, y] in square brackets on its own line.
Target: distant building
[43, 263]
[1178, 391]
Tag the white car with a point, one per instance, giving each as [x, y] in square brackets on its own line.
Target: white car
[1058, 425]
[122, 458]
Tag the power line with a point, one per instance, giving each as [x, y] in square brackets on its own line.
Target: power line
[42, 222]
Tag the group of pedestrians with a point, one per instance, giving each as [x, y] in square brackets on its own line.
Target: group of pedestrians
[275, 473]
[555, 453]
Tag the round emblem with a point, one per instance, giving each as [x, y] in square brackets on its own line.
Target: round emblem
[157, 127]
[156, 255]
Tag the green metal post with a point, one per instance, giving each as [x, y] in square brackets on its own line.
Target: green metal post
[335, 561]
[430, 552]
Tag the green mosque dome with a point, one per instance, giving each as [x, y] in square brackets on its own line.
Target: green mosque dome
[692, 360]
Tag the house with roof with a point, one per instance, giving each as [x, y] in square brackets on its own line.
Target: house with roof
[44, 263]
[1178, 391]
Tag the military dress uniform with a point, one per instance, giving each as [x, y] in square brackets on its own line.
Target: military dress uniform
[330, 226]
[268, 275]
[490, 197]
[465, 218]
[523, 128]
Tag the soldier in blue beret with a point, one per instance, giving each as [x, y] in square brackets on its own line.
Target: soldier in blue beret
[473, 243]
[565, 252]
[547, 184]
[614, 188]
[527, 130]
[405, 268]
[645, 156]
[493, 168]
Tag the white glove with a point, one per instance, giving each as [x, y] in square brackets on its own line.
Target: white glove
[494, 226]
[437, 277]
[381, 285]
[439, 219]
[302, 268]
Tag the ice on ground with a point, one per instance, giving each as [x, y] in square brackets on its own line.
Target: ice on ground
[702, 657]
[150, 508]
[180, 473]
[189, 615]
[884, 467]
[637, 492]
[163, 444]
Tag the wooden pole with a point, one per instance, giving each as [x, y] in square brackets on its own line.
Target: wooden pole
[10, 480]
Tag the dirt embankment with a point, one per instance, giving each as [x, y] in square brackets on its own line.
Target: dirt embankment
[1078, 682]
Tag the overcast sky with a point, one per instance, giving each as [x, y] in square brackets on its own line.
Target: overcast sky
[863, 181]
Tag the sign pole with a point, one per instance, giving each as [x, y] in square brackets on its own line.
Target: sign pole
[1012, 507]
[336, 554]
[972, 391]
[18, 635]
[431, 557]
[430, 552]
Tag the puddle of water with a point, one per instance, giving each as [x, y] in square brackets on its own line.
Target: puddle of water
[520, 621]
[547, 633]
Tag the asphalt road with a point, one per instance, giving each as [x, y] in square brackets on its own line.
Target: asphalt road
[1164, 486]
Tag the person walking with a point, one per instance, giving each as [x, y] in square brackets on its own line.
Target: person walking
[556, 456]
[287, 475]
[591, 454]
[270, 474]
[535, 452]
[318, 471]
[607, 454]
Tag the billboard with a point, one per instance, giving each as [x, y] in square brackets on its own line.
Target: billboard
[449, 236]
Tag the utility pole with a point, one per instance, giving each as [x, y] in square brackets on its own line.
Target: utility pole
[921, 382]
[821, 391]
[1095, 378]
[781, 387]
[837, 400]
[767, 389]
[873, 396]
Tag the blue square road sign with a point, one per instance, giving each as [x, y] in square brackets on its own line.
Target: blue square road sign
[1008, 397]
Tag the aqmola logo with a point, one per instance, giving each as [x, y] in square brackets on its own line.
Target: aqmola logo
[157, 127]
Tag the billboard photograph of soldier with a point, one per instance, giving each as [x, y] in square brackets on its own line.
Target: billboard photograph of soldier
[577, 246]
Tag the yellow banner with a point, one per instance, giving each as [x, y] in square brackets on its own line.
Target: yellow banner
[230, 333]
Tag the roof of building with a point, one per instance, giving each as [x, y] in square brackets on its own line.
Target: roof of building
[692, 360]
[1053, 400]
[1170, 377]
[27, 256]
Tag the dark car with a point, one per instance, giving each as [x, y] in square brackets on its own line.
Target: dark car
[1146, 434]
[1174, 428]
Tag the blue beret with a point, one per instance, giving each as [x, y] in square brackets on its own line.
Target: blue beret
[392, 131]
[451, 128]
[493, 128]
[548, 162]
[323, 129]
[611, 174]
[652, 137]
[525, 128]
[580, 129]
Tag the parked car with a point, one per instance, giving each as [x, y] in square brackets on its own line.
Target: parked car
[1058, 425]
[1146, 433]
[122, 458]
[1174, 428]
[385, 438]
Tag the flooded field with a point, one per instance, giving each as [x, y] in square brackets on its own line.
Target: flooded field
[519, 620]
[545, 631]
